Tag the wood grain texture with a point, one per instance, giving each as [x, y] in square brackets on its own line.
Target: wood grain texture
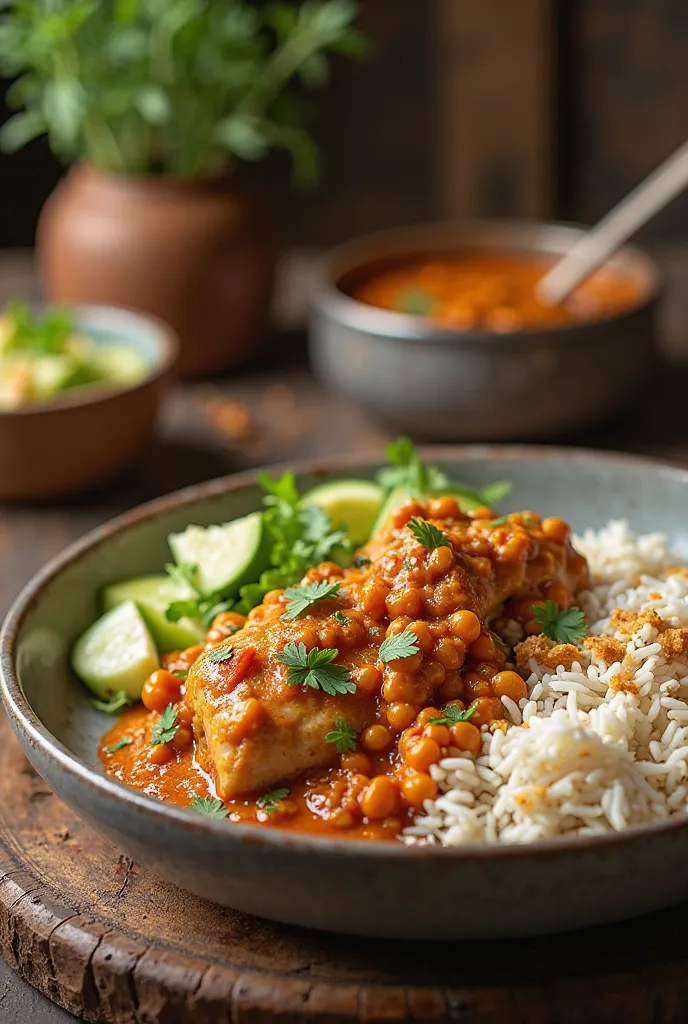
[115, 944]
[496, 122]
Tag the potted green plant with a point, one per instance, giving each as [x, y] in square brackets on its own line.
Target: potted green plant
[160, 104]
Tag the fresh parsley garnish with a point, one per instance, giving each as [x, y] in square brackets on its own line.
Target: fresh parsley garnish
[498, 640]
[114, 747]
[180, 673]
[415, 301]
[119, 700]
[314, 669]
[493, 493]
[341, 618]
[452, 714]
[219, 655]
[199, 606]
[343, 736]
[300, 599]
[407, 564]
[269, 802]
[403, 645]
[428, 534]
[361, 562]
[165, 729]
[498, 522]
[566, 627]
[208, 805]
[44, 334]
[375, 630]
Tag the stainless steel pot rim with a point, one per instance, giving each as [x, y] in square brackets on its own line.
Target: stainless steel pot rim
[516, 235]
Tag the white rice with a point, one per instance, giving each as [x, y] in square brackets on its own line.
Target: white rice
[581, 757]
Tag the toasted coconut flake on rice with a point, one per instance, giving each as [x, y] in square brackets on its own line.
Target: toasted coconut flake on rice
[602, 743]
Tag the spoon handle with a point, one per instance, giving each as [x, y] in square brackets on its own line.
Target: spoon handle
[658, 189]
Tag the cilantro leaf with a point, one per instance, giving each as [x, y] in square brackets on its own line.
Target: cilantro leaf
[361, 562]
[208, 805]
[498, 522]
[185, 574]
[269, 802]
[180, 673]
[165, 729]
[452, 714]
[314, 669]
[299, 599]
[375, 630]
[428, 535]
[343, 736]
[341, 618]
[219, 655]
[177, 610]
[493, 493]
[407, 469]
[566, 627]
[403, 645]
[407, 564]
[114, 747]
[119, 700]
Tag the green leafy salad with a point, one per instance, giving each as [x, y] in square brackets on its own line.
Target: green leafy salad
[231, 566]
[44, 356]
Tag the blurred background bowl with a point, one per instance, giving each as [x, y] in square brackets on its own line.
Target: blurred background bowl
[89, 434]
[449, 384]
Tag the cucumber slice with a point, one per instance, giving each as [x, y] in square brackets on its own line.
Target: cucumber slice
[355, 503]
[116, 653]
[152, 595]
[226, 556]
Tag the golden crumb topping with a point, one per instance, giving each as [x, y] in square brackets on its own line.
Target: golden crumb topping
[546, 653]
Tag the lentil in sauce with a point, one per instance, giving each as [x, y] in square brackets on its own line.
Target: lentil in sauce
[241, 731]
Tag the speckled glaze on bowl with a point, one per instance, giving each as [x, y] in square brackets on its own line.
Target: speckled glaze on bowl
[446, 384]
[356, 887]
[87, 435]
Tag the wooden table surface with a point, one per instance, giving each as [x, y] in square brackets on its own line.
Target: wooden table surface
[211, 429]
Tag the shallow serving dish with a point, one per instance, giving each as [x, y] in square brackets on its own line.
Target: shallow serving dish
[347, 885]
[87, 435]
[448, 384]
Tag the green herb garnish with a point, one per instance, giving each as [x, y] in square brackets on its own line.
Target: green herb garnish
[341, 618]
[165, 729]
[269, 802]
[119, 700]
[407, 564]
[375, 630]
[114, 747]
[361, 562]
[343, 737]
[428, 535]
[407, 470]
[300, 599]
[452, 715]
[219, 655]
[208, 805]
[567, 627]
[498, 522]
[403, 645]
[180, 673]
[415, 301]
[200, 606]
[498, 640]
[314, 669]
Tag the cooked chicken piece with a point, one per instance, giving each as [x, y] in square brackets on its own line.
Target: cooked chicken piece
[259, 730]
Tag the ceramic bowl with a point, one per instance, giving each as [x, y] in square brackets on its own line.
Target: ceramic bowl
[346, 886]
[451, 385]
[84, 437]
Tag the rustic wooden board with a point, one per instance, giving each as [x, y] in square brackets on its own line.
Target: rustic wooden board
[112, 943]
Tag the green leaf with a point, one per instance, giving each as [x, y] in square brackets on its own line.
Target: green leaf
[116, 703]
[343, 736]
[452, 715]
[565, 627]
[219, 655]
[495, 492]
[208, 805]
[300, 599]
[165, 729]
[361, 562]
[416, 302]
[428, 534]
[314, 669]
[341, 618]
[153, 104]
[402, 645]
[243, 137]
[125, 741]
[502, 521]
[64, 107]
[20, 129]
[269, 802]
[314, 71]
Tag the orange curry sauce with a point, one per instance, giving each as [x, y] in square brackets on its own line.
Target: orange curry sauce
[493, 292]
[239, 723]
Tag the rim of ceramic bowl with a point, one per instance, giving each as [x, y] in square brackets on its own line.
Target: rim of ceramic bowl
[444, 236]
[167, 349]
[24, 719]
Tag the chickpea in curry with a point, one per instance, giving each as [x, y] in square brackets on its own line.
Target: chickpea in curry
[421, 674]
[492, 292]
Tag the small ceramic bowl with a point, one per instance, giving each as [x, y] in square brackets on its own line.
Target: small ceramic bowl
[86, 436]
[474, 891]
[447, 384]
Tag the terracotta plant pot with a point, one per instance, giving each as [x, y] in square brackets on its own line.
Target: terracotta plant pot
[200, 255]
